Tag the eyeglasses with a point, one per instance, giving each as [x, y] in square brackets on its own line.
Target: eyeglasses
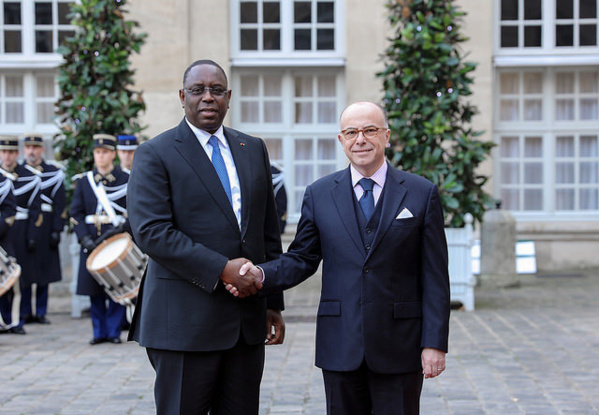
[352, 133]
[217, 91]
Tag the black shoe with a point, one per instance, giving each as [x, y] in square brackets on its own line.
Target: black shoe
[96, 340]
[115, 340]
[28, 319]
[17, 330]
[4, 330]
[42, 320]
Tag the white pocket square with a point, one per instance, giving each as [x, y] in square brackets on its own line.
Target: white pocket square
[405, 214]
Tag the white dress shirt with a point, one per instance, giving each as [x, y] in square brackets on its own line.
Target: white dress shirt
[378, 177]
[225, 151]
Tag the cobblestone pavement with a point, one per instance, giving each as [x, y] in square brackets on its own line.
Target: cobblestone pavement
[528, 350]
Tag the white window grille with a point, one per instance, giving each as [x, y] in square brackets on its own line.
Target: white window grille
[296, 112]
[548, 148]
[275, 29]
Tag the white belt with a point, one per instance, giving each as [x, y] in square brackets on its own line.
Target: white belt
[103, 219]
[47, 207]
[22, 215]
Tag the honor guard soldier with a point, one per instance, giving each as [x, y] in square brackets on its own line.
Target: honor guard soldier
[278, 184]
[8, 210]
[125, 148]
[98, 210]
[53, 203]
[25, 235]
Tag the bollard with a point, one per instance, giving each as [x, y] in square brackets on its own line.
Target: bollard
[498, 249]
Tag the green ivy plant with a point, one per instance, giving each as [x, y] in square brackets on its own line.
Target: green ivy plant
[425, 83]
[95, 81]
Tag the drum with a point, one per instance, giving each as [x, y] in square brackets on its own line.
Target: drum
[117, 264]
[10, 272]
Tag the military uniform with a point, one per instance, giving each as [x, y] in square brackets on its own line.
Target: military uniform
[278, 184]
[26, 230]
[8, 210]
[90, 221]
[47, 257]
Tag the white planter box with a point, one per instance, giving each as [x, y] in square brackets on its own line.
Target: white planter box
[461, 278]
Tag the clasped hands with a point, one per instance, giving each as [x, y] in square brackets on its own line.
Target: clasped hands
[241, 277]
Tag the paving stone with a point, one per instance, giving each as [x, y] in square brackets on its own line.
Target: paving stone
[528, 350]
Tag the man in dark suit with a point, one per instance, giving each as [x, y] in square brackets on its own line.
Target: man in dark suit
[200, 196]
[384, 309]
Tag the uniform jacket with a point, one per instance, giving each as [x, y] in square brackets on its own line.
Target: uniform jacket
[381, 303]
[53, 202]
[8, 210]
[181, 217]
[84, 204]
[27, 189]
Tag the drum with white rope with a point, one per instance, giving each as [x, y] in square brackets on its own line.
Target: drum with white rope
[10, 272]
[117, 264]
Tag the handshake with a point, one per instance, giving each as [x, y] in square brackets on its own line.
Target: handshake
[241, 278]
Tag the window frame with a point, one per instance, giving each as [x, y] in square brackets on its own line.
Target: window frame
[287, 56]
[29, 58]
[549, 128]
[548, 53]
[288, 131]
[30, 101]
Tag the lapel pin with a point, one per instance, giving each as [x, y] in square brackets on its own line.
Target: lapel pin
[242, 144]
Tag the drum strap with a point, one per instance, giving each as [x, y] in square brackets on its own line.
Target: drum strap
[103, 199]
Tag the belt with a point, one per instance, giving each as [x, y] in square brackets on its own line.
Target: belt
[101, 219]
[22, 215]
[47, 207]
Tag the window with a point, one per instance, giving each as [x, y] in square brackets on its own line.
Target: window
[296, 112]
[12, 28]
[521, 96]
[521, 23]
[521, 172]
[34, 27]
[285, 27]
[27, 101]
[12, 99]
[576, 172]
[51, 24]
[548, 147]
[543, 26]
[576, 96]
[576, 23]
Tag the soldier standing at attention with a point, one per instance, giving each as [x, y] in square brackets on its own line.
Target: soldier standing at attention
[53, 203]
[98, 208]
[29, 219]
[125, 148]
[8, 210]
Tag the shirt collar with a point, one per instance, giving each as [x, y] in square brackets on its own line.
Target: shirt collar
[204, 136]
[378, 176]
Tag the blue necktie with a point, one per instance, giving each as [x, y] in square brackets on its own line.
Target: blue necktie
[219, 166]
[367, 199]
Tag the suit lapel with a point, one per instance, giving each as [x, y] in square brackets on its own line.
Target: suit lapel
[244, 172]
[394, 193]
[187, 145]
[343, 195]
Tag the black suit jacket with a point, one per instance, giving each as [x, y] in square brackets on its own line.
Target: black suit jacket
[383, 304]
[181, 217]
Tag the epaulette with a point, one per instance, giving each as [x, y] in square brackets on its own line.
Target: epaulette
[32, 169]
[9, 175]
[56, 164]
[78, 176]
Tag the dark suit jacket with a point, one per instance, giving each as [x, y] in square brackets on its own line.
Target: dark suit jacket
[383, 305]
[181, 217]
